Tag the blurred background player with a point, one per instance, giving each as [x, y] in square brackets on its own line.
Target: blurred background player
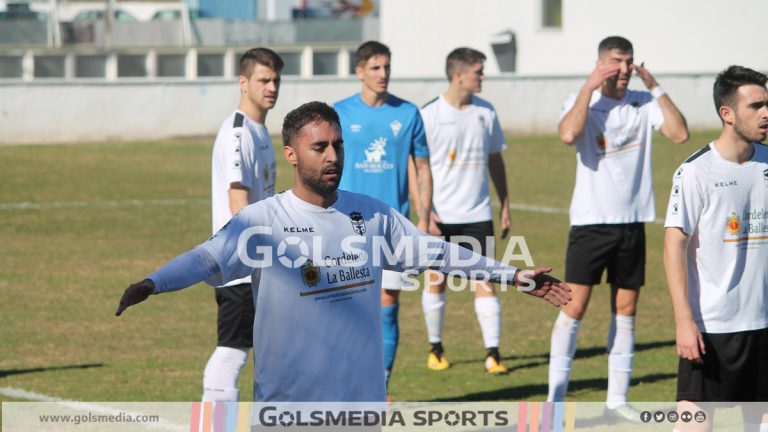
[465, 143]
[242, 172]
[386, 152]
[715, 254]
[611, 128]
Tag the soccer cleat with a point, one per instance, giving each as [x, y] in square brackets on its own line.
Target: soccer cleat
[494, 366]
[493, 363]
[437, 361]
[624, 412]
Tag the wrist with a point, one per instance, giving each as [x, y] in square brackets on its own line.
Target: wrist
[658, 92]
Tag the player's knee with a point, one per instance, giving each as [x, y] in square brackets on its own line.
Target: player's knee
[575, 310]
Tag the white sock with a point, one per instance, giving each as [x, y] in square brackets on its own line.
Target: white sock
[488, 311]
[433, 305]
[563, 346]
[621, 348]
[222, 373]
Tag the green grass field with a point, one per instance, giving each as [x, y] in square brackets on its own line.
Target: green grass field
[69, 255]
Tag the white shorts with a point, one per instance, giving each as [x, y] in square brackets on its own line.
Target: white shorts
[393, 280]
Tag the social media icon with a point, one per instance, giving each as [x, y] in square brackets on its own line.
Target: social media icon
[645, 416]
[700, 416]
[672, 416]
[659, 416]
[686, 416]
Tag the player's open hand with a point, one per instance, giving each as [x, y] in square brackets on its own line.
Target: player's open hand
[690, 343]
[134, 294]
[600, 73]
[648, 79]
[537, 282]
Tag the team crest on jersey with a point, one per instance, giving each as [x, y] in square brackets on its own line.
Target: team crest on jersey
[733, 224]
[358, 223]
[601, 141]
[765, 178]
[310, 274]
[395, 126]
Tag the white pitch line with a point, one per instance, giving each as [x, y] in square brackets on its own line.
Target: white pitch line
[26, 205]
[552, 210]
[90, 407]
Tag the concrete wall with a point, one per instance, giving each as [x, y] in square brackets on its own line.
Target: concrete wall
[48, 112]
[670, 36]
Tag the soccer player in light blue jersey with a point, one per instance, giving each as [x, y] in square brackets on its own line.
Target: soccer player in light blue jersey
[317, 335]
[387, 156]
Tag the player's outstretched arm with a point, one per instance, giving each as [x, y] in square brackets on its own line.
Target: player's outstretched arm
[185, 270]
[538, 283]
[135, 294]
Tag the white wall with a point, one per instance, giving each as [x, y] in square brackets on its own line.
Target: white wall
[669, 35]
[41, 112]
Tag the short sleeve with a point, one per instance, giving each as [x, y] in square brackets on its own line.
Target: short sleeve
[497, 135]
[419, 145]
[570, 101]
[686, 200]
[233, 155]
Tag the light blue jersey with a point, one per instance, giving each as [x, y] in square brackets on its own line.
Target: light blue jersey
[377, 142]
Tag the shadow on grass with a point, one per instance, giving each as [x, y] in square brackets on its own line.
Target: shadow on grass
[11, 372]
[531, 391]
[580, 354]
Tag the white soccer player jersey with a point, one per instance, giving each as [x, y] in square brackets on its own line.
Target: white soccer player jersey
[242, 153]
[613, 160]
[460, 142]
[332, 300]
[723, 207]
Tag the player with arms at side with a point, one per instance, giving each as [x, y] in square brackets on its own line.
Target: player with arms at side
[465, 142]
[242, 172]
[386, 155]
[716, 251]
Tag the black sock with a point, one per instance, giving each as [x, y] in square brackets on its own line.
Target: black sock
[493, 352]
[437, 348]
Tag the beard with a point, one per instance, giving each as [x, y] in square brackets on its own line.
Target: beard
[755, 136]
[316, 183]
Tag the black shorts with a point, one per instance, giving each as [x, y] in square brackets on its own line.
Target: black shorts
[735, 369]
[620, 248]
[476, 230]
[235, 317]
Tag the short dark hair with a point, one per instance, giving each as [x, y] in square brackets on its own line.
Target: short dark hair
[370, 49]
[310, 112]
[263, 56]
[614, 42]
[461, 57]
[729, 81]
